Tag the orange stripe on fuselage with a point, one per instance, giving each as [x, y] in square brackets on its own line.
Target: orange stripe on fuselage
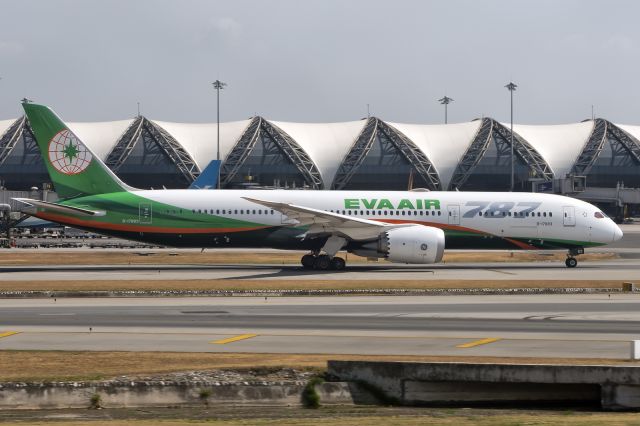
[65, 220]
[446, 226]
[522, 245]
[435, 225]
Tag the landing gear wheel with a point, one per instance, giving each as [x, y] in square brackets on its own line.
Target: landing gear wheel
[571, 262]
[322, 262]
[308, 260]
[338, 264]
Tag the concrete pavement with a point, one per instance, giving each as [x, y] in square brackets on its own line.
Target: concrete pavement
[585, 326]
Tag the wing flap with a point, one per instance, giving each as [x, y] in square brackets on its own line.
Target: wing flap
[326, 223]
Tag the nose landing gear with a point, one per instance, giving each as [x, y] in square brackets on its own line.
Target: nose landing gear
[571, 261]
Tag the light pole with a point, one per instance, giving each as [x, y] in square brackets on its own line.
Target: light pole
[512, 88]
[218, 85]
[445, 101]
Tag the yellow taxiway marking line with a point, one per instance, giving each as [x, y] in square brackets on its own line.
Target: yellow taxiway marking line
[478, 342]
[234, 339]
[8, 333]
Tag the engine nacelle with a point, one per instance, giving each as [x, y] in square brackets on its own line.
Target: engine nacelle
[410, 244]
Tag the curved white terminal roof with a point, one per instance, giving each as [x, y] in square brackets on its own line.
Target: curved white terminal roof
[4, 125]
[443, 144]
[200, 140]
[326, 143]
[632, 130]
[560, 145]
[100, 137]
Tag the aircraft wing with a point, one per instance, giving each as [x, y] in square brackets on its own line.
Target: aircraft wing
[56, 208]
[327, 223]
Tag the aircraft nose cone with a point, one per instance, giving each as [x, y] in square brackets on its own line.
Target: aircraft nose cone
[617, 233]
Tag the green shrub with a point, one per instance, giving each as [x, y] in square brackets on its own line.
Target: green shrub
[95, 401]
[310, 397]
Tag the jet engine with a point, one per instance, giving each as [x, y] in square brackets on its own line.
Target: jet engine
[409, 244]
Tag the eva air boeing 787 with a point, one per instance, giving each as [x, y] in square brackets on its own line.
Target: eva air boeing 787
[399, 226]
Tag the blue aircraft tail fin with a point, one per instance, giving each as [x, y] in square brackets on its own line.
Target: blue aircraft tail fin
[208, 179]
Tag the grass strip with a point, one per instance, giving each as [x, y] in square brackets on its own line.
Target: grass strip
[441, 417]
[16, 257]
[294, 283]
[29, 365]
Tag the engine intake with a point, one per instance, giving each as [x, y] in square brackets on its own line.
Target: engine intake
[410, 244]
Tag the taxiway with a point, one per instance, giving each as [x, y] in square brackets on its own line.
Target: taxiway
[584, 326]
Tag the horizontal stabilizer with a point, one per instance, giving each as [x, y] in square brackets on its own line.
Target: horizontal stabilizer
[57, 208]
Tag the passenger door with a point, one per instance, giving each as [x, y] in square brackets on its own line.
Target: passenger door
[454, 214]
[569, 216]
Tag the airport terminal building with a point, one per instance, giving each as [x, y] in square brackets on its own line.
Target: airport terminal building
[366, 154]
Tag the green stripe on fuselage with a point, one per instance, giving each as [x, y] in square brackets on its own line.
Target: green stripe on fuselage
[124, 208]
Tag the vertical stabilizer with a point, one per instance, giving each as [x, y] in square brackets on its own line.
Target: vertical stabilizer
[74, 170]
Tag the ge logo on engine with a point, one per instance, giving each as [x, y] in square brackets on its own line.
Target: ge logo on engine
[424, 247]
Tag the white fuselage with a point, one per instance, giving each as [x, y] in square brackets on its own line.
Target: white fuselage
[516, 215]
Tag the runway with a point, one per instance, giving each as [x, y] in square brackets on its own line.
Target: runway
[618, 269]
[584, 326]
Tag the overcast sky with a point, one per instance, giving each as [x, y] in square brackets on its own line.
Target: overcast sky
[324, 60]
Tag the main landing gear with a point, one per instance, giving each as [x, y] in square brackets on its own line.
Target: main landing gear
[571, 261]
[322, 262]
[328, 260]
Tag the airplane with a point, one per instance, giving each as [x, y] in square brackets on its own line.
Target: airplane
[412, 227]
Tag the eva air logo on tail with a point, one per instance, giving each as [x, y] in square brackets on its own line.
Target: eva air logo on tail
[67, 154]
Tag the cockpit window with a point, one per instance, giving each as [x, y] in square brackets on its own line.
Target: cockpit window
[599, 215]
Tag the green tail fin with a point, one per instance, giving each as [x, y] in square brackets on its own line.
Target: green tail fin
[74, 170]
